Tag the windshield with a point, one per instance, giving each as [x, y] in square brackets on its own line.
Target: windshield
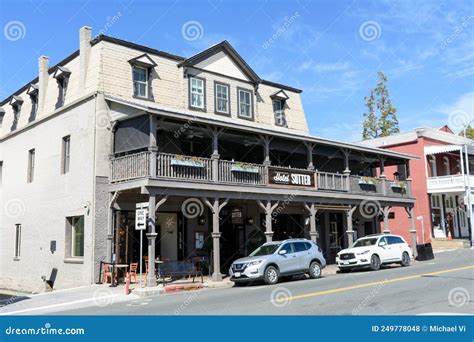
[365, 242]
[265, 250]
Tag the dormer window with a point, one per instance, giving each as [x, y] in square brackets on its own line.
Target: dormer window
[2, 115]
[16, 102]
[61, 74]
[245, 104]
[197, 93]
[141, 70]
[33, 92]
[279, 103]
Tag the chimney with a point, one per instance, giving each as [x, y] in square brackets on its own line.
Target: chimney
[85, 36]
[43, 76]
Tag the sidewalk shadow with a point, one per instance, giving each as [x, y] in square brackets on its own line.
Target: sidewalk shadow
[11, 300]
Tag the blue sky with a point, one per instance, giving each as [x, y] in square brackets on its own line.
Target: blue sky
[330, 49]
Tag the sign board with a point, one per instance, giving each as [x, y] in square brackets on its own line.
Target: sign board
[419, 217]
[142, 205]
[140, 219]
[295, 178]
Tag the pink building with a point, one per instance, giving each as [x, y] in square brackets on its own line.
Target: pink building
[440, 181]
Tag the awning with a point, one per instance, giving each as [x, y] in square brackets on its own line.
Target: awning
[447, 148]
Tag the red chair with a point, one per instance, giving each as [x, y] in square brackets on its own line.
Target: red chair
[106, 273]
[133, 271]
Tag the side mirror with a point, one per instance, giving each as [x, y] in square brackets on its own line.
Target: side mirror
[282, 252]
[382, 243]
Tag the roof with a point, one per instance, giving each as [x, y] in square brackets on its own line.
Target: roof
[437, 149]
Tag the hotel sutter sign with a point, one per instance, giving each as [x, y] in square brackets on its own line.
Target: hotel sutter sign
[289, 177]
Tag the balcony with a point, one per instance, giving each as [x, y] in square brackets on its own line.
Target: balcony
[452, 183]
[207, 170]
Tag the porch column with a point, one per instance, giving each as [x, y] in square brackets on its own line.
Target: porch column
[215, 152]
[268, 209]
[110, 228]
[385, 211]
[216, 235]
[350, 230]
[266, 149]
[153, 148]
[313, 233]
[411, 216]
[309, 154]
[382, 167]
[347, 170]
[151, 235]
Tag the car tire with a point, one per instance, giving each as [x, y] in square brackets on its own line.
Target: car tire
[271, 276]
[375, 262]
[405, 259]
[315, 270]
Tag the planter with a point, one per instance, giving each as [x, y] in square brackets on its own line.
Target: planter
[244, 168]
[397, 185]
[188, 162]
[366, 182]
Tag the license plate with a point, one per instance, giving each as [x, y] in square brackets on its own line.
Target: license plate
[345, 262]
[237, 274]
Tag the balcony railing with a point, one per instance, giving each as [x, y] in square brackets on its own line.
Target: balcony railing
[171, 166]
[449, 183]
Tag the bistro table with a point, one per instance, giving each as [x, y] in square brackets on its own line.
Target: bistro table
[115, 268]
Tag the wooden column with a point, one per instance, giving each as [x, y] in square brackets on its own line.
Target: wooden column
[265, 139]
[268, 209]
[309, 154]
[350, 229]
[411, 216]
[385, 212]
[153, 147]
[311, 209]
[215, 131]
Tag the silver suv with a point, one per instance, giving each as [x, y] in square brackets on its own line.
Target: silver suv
[276, 259]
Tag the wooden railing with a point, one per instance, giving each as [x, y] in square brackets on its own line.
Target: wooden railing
[183, 167]
[130, 167]
[241, 173]
[171, 166]
[332, 181]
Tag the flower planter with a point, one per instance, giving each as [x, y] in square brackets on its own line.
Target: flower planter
[396, 185]
[366, 182]
[188, 163]
[244, 168]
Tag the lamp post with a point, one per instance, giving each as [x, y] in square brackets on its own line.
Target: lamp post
[467, 185]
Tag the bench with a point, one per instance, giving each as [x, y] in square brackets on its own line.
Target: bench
[179, 269]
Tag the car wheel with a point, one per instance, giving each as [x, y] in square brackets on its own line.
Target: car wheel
[405, 259]
[271, 275]
[375, 263]
[315, 270]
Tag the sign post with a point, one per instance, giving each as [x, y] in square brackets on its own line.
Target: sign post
[140, 224]
[422, 219]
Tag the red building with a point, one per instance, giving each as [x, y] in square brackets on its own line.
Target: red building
[440, 181]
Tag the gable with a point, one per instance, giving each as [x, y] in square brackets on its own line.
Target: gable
[221, 63]
[446, 129]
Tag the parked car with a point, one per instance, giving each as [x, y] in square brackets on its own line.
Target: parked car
[373, 251]
[277, 259]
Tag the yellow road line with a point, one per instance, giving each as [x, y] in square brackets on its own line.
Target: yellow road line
[386, 281]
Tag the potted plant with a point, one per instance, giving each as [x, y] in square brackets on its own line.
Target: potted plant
[242, 167]
[368, 180]
[180, 160]
[398, 185]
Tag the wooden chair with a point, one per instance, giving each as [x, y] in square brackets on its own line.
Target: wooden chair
[133, 271]
[106, 274]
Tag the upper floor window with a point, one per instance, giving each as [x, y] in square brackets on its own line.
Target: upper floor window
[432, 164]
[16, 256]
[31, 165]
[2, 114]
[33, 92]
[61, 74]
[140, 81]
[197, 93]
[245, 109]
[222, 98]
[279, 112]
[16, 102]
[447, 167]
[66, 154]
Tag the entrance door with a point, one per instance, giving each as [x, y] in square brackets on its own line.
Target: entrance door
[167, 228]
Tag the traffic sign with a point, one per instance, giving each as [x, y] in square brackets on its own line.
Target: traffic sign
[140, 219]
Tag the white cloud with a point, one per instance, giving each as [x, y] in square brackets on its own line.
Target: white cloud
[311, 65]
[460, 112]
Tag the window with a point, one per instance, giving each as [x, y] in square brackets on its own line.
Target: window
[140, 82]
[447, 168]
[1, 171]
[279, 112]
[16, 116]
[393, 240]
[288, 247]
[34, 107]
[62, 85]
[17, 241]
[66, 154]
[31, 165]
[299, 246]
[196, 93]
[75, 236]
[222, 98]
[245, 103]
[433, 170]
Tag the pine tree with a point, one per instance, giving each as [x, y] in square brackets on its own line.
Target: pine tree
[383, 121]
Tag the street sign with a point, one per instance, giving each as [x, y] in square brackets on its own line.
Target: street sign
[419, 217]
[142, 205]
[140, 219]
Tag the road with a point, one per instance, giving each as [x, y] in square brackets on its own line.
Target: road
[441, 286]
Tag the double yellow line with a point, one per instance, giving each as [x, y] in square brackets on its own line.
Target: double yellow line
[382, 282]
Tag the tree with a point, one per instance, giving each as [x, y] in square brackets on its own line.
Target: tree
[380, 116]
[469, 132]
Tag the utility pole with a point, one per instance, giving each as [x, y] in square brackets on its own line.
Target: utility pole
[467, 187]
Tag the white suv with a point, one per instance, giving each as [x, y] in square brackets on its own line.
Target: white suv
[373, 251]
